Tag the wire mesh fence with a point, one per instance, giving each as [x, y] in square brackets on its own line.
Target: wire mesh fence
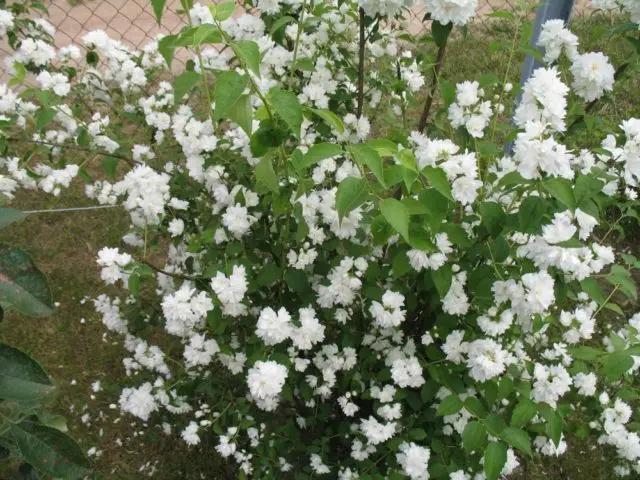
[133, 21]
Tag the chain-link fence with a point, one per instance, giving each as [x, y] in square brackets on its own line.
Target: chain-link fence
[133, 21]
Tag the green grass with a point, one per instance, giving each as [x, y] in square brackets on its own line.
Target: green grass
[65, 245]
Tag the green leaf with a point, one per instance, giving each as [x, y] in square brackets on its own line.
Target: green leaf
[281, 22]
[365, 155]
[475, 406]
[22, 286]
[523, 413]
[448, 92]
[386, 148]
[616, 364]
[621, 277]
[474, 437]
[588, 354]
[21, 377]
[438, 179]
[44, 117]
[593, 289]
[441, 32]
[533, 51]
[561, 189]
[222, 11]
[183, 84]
[167, 48]
[530, 215]
[330, 118]
[352, 192]
[240, 113]
[493, 217]
[229, 88]
[202, 34]
[495, 458]
[21, 73]
[249, 54]
[417, 434]
[442, 279]
[133, 283]
[586, 187]
[501, 14]
[269, 274]
[449, 405]
[288, 106]
[517, 438]
[265, 174]
[110, 166]
[158, 8]
[9, 216]
[315, 154]
[396, 213]
[50, 451]
[553, 428]
[52, 420]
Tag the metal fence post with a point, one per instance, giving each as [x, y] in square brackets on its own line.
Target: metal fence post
[548, 10]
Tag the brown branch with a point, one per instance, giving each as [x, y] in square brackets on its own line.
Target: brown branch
[434, 85]
[75, 148]
[169, 274]
[361, 65]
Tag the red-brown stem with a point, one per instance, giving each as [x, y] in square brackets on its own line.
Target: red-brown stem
[361, 66]
[434, 85]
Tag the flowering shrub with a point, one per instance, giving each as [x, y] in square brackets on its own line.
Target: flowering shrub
[325, 299]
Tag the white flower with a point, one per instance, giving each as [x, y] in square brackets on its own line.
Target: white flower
[414, 460]
[231, 290]
[458, 12]
[585, 383]
[237, 220]
[185, 310]
[6, 21]
[318, 467]
[554, 38]
[593, 75]
[266, 380]
[486, 359]
[57, 82]
[190, 434]
[113, 263]
[550, 383]
[454, 346]
[273, 327]
[176, 227]
[139, 402]
[543, 100]
[407, 372]
[390, 312]
[377, 432]
[310, 331]
[561, 230]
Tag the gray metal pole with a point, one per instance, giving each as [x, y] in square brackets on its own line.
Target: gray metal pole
[548, 10]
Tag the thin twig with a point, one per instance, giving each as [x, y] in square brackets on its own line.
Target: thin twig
[297, 44]
[73, 147]
[169, 274]
[434, 85]
[361, 66]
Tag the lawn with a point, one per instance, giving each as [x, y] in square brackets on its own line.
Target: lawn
[71, 345]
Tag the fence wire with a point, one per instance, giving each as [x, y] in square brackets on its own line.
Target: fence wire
[133, 21]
